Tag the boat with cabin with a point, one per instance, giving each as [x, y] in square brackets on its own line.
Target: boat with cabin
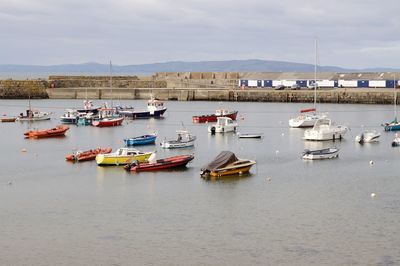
[108, 118]
[325, 129]
[328, 153]
[213, 117]
[155, 108]
[184, 139]
[161, 164]
[47, 133]
[122, 156]
[223, 125]
[33, 115]
[141, 140]
[368, 136]
[226, 163]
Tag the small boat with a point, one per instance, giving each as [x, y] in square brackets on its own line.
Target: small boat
[5, 119]
[71, 116]
[396, 141]
[155, 108]
[141, 140]
[226, 163]
[47, 133]
[321, 154]
[250, 135]
[223, 125]
[107, 118]
[325, 129]
[368, 136]
[161, 164]
[392, 126]
[89, 155]
[213, 117]
[122, 156]
[33, 115]
[184, 139]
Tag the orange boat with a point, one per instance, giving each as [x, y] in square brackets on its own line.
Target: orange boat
[47, 133]
[89, 155]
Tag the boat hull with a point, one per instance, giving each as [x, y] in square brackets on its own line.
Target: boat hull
[47, 133]
[8, 119]
[142, 114]
[393, 127]
[89, 155]
[213, 117]
[120, 160]
[108, 122]
[319, 155]
[321, 135]
[173, 144]
[143, 140]
[167, 163]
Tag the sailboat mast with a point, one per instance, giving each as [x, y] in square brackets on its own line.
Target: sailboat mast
[395, 96]
[315, 75]
[111, 90]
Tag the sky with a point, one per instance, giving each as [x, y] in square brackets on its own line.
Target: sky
[350, 34]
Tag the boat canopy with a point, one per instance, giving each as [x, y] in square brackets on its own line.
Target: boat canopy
[223, 159]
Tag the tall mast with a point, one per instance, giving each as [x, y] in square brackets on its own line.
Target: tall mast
[315, 75]
[111, 85]
[395, 96]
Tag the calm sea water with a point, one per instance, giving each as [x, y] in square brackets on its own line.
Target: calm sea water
[285, 212]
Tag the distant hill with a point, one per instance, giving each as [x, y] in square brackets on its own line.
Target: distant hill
[174, 66]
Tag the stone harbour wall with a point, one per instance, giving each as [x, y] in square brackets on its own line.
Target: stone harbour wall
[23, 89]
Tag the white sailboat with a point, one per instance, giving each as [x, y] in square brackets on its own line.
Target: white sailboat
[308, 117]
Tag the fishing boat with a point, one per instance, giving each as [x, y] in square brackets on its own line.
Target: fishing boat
[250, 135]
[396, 141]
[328, 153]
[161, 164]
[47, 133]
[5, 119]
[155, 108]
[226, 163]
[90, 155]
[141, 140]
[88, 107]
[368, 136]
[184, 139]
[223, 125]
[308, 117]
[33, 115]
[394, 125]
[213, 117]
[325, 129]
[108, 118]
[70, 116]
[122, 156]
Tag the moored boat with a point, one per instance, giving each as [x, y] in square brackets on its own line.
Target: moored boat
[108, 118]
[47, 133]
[213, 117]
[155, 108]
[141, 140]
[122, 156]
[161, 164]
[368, 136]
[223, 125]
[70, 116]
[325, 129]
[396, 141]
[250, 135]
[328, 153]
[307, 118]
[5, 119]
[184, 139]
[226, 163]
[33, 115]
[89, 155]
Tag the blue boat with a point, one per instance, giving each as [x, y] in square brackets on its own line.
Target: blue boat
[392, 126]
[141, 140]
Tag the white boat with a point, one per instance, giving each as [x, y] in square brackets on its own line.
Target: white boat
[185, 139]
[34, 115]
[250, 135]
[328, 153]
[368, 136]
[308, 117]
[223, 125]
[325, 129]
[396, 141]
[71, 116]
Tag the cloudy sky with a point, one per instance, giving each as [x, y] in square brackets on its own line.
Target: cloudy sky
[352, 33]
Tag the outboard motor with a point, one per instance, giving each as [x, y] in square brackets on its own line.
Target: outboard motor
[213, 130]
[362, 139]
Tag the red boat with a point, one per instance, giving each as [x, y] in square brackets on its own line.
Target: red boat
[89, 155]
[47, 133]
[214, 117]
[167, 163]
[108, 122]
[308, 110]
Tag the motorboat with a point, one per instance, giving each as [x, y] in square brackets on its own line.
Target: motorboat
[108, 118]
[122, 156]
[328, 153]
[307, 118]
[32, 115]
[325, 129]
[5, 119]
[223, 125]
[226, 163]
[161, 164]
[81, 156]
[213, 117]
[47, 133]
[368, 136]
[184, 139]
[250, 135]
[396, 141]
[141, 140]
[155, 108]
[70, 116]
[88, 107]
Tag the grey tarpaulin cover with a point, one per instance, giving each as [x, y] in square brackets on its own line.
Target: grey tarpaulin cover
[223, 159]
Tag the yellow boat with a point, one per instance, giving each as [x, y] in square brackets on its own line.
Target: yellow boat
[123, 156]
[226, 163]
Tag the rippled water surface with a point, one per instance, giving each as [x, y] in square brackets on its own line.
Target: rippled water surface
[285, 212]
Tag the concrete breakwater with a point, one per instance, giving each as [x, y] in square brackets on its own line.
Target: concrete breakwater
[23, 89]
[355, 96]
